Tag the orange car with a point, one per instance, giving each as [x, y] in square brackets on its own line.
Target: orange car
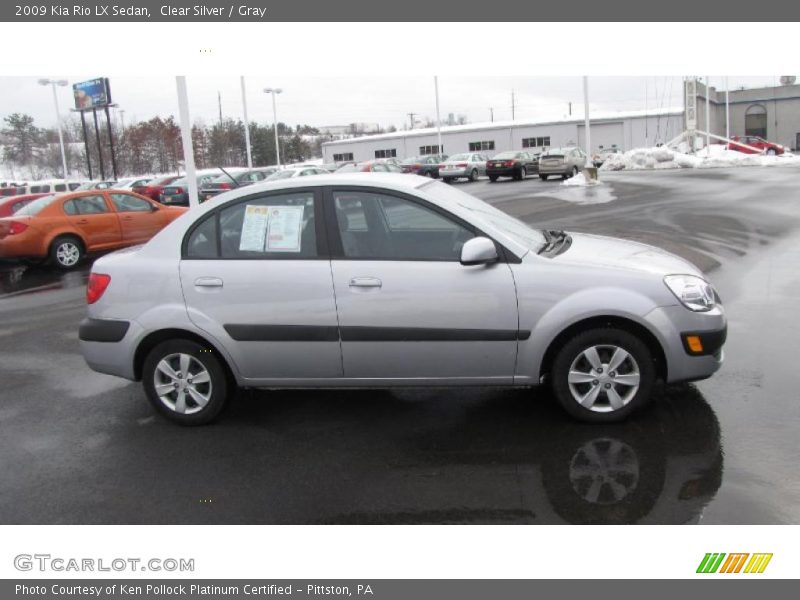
[65, 227]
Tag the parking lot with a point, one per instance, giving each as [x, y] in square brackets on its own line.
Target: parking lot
[80, 447]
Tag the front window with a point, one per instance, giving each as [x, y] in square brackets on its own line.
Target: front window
[382, 227]
[128, 203]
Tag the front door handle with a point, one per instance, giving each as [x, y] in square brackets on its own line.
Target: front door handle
[208, 282]
[366, 282]
[82, 222]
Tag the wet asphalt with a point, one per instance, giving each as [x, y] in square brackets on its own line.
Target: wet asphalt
[79, 447]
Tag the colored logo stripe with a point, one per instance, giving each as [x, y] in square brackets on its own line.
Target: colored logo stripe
[734, 563]
[758, 563]
[710, 562]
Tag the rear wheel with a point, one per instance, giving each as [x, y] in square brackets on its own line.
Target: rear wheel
[523, 172]
[185, 382]
[492, 178]
[603, 375]
[66, 252]
[543, 177]
[448, 179]
[473, 176]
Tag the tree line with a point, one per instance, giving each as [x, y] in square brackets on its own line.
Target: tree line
[148, 147]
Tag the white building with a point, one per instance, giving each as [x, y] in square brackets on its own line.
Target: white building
[620, 130]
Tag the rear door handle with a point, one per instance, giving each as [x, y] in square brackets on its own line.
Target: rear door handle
[82, 222]
[127, 218]
[208, 282]
[366, 282]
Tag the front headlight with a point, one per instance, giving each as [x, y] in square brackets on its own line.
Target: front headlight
[694, 293]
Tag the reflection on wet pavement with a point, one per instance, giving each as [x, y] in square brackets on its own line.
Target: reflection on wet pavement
[18, 278]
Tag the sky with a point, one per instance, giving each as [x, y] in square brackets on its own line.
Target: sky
[321, 101]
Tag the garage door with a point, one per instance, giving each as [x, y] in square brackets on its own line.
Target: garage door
[604, 135]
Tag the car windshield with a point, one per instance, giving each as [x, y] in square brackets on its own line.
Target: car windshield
[459, 157]
[281, 175]
[164, 180]
[555, 152]
[507, 155]
[35, 207]
[513, 228]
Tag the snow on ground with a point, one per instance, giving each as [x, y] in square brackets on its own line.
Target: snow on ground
[715, 156]
[580, 180]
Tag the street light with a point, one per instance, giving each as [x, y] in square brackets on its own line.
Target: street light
[53, 83]
[274, 92]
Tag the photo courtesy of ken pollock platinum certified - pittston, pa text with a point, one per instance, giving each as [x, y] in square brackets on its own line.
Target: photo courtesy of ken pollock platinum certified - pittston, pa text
[193, 589]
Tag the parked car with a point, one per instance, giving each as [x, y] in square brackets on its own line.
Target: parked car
[598, 158]
[177, 192]
[760, 144]
[96, 185]
[297, 172]
[516, 164]
[566, 162]
[469, 165]
[131, 182]
[153, 188]
[370, 166]
[427, 166]
[234, 178]
[8, 206]
[66, 227]
[46, 187]
[382, 280]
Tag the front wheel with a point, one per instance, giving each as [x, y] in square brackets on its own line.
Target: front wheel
[473, 176]
[575, 171]
[185, 382]
[603, 375]
[543, 177]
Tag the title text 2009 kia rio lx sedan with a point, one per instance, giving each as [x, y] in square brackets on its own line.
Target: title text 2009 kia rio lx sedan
[382, 280]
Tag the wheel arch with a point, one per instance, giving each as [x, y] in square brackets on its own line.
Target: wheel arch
[606, 321]
[151, 340]
[65, 233]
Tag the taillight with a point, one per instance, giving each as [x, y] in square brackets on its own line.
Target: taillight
[225, 186]
[96, 287]
[178, 190]
[462, 165]
[509, 163]
[16, 227]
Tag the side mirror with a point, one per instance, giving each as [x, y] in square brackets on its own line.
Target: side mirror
[478, 251]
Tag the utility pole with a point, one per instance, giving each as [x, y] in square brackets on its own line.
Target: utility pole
[246, 126]
[570, 108]
[438, 118]
[219, 102]
[491, 114]
[186, 138]
[587, 123]
[122, 119]
[727, 110]
[708, 118]
[513, 106]
[411, 116]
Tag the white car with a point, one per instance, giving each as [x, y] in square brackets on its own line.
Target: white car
[469, 165]
[297, 172]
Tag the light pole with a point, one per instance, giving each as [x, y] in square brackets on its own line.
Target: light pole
[53, 83]
[274, 92]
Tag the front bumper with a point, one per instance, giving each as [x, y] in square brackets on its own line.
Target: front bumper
[674, 325]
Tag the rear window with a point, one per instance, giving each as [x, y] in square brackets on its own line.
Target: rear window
[460, 157]
[35, 207]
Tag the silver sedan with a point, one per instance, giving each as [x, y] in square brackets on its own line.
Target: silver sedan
[469, 165]
[383, 280]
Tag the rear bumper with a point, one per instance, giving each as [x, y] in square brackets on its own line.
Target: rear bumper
[108, 345]
[504, 172]
[553, 169]
[15, 247]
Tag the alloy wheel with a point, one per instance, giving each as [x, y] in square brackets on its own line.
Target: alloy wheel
[182, 383]
[604, 378]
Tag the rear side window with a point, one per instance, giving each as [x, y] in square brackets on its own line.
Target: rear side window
[87, 205]
[270, 227]
[60, 187]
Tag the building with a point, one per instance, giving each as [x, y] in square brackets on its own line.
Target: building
[610, 130]
[772, 113]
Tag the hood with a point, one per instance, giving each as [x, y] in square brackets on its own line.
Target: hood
[615, 253]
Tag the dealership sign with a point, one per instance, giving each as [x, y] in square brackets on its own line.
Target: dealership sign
[95, 93]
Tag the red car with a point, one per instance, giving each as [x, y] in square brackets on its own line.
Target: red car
[755, 142]
[11, 205]
[155, 187]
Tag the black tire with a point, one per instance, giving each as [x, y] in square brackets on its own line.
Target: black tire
[473, 175]
[217, 389]
[575, 171]
[543, 177]
[492, 178]
[571, 353]
[448, 179]
[67, 252]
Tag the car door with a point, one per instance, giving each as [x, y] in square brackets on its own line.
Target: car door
[256, 276]
[93, 218]
[408, 310]
[139, 219]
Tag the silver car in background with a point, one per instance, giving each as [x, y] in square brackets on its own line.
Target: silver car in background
[469, 165]
[566, 162]
[386, 280]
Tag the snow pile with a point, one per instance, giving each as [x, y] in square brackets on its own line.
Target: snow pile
[580, 180]
[715, 156]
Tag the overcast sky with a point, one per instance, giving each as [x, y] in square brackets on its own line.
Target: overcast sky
[321, 101]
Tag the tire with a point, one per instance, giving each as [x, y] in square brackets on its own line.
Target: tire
[771, 152]
[492, 178]
[575, 171]
[473, 176]
[200, 361]
[67, 252]
[576, 356]
[448, 179]
[543, 177]
[523, 172]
